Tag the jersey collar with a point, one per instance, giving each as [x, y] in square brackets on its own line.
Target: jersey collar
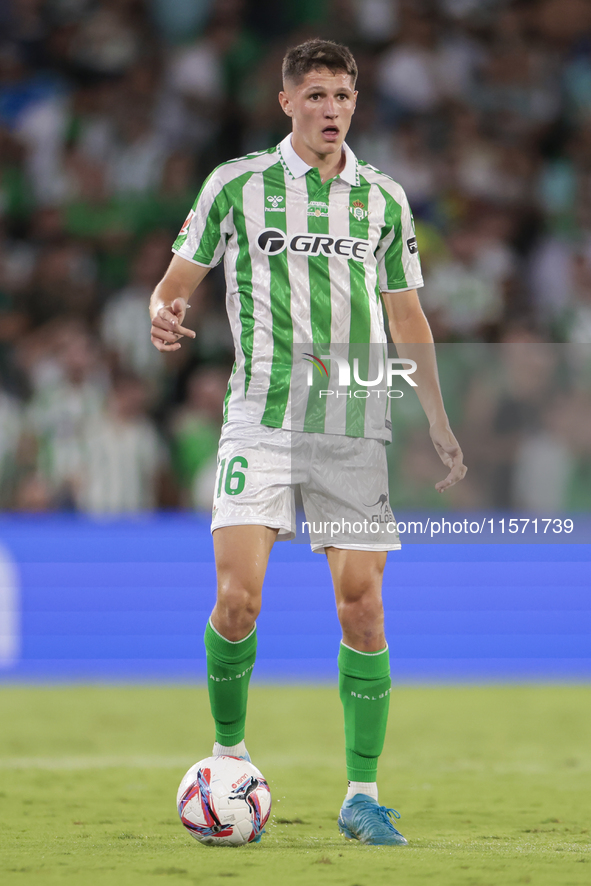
[297, 167]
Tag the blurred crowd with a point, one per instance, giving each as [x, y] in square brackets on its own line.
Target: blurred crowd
[522, 412]
[113, 111]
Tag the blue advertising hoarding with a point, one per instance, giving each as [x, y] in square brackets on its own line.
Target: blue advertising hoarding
[128, 599]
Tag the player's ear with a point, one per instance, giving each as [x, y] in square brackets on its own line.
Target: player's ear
[285, 103]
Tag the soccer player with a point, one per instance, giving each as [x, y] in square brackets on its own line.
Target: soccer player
[310, 236]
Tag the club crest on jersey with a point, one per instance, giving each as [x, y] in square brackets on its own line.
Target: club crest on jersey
[358, 210]
[318, 209]
[275, 201]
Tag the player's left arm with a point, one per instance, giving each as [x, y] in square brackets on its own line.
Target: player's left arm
[412, 336]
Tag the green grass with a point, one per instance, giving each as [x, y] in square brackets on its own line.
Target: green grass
[493, 784]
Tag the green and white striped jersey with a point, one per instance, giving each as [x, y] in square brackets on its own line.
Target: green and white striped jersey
[304, 264]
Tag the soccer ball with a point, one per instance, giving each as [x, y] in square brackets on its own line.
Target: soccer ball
[224, 801]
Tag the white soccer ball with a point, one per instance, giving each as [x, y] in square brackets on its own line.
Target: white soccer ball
[224, 801]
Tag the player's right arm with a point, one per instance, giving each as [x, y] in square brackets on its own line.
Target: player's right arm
[200, 246]
[169, 302]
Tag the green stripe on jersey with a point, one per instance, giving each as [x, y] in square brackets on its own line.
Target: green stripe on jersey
[393, 260]
[244, 278]
[318, 267]
[228, 393]
[320, 296]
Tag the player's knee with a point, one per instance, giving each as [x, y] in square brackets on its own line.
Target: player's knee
[362, 589]
[361, 613]
[237, 607]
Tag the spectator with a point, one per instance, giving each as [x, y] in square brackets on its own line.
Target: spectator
[464, 293]
[139, 155]
[107, 40]
[61, 284]
[179, 19]
[33, 495]
[123, 456]
[69, 390]
[575, 321]
[407, 75]
[125, 322]
[195, 431]
[505, 407]
[165, 208]
[545, 463]
[10, 433]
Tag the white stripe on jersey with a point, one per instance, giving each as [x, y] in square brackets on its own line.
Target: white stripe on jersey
[377, 202]
[262, 345]
[237, 380]
[410, 262]
[340, 325]
[296, 219]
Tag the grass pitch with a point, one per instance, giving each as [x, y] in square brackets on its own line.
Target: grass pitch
[494, 786]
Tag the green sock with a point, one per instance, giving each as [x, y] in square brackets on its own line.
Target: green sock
[364, 687]
[229, 666]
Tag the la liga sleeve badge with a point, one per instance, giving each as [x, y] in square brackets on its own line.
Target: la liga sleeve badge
[186, 223]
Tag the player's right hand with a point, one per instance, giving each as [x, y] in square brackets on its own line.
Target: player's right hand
[167, 326]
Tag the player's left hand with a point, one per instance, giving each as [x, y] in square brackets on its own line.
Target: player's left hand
[448, 450]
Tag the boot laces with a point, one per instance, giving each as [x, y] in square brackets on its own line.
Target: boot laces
[387, 816]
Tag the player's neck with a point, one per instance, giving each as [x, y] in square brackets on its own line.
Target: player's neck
[328, 165]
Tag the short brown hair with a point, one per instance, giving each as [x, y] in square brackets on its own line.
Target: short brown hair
[315, 54]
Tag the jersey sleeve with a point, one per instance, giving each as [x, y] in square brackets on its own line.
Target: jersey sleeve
[203, 237]
[399, 265]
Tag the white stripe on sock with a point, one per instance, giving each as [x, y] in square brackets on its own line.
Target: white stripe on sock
[235, 750]
[234, 642]
[363, 787]
[358, 651]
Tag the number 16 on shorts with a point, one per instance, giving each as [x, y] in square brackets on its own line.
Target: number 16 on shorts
[231, 477]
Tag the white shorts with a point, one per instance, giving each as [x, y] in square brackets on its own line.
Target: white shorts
[343, 483]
